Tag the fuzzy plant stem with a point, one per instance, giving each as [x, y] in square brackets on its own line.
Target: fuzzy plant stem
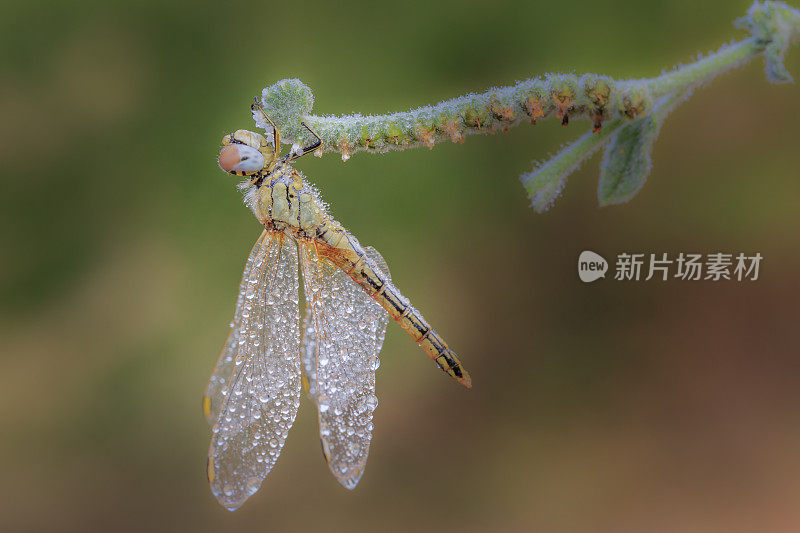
[703, 70]
[608, 104]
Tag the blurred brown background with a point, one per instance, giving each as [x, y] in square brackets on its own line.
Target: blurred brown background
[621, 407]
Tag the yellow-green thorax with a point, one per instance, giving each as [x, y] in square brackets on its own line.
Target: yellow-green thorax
[284, 201]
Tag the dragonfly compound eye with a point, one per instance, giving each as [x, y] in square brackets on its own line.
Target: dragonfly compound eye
[240, 159]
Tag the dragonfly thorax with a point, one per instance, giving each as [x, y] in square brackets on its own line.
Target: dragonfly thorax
[284, 201]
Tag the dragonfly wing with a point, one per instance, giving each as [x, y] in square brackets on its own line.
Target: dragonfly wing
[343, 335]
[213, 398]
[308, 343]
[263, 393]
[380, 262]
[308, 354]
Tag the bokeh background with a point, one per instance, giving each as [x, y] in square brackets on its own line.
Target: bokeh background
[620, 407]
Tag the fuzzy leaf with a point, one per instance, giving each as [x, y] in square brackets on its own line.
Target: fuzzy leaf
[626, 162]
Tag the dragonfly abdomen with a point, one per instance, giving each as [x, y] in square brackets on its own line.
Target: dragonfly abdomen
[423, 334]
[345, 252]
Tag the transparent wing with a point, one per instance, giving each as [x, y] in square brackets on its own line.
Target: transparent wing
[343, 334]
[222, 372]
[262, 396]
[308, 343]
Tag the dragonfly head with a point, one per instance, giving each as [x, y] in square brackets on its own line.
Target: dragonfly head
[245, 153]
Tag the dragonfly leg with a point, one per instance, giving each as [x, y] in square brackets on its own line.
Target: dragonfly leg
[308, 149]
[256, 106]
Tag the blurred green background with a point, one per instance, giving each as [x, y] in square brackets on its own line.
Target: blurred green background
[606, 407]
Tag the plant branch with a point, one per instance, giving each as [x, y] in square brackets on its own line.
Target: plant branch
[705, 69]
[607, 103]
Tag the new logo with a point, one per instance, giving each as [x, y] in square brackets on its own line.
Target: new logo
[591, 266]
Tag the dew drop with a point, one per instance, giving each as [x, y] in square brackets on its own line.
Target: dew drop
[372, 402]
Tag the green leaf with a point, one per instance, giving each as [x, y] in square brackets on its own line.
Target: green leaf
[626, 162]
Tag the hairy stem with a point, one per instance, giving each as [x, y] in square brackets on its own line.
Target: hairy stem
[705, 69]
[773, 26]
[567, 96]
[545, 184]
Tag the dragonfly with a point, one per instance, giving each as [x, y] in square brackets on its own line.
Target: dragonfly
[270, 354]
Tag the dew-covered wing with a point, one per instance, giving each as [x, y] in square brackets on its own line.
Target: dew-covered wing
[343, 334]
[261, 398]
[212, 400]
